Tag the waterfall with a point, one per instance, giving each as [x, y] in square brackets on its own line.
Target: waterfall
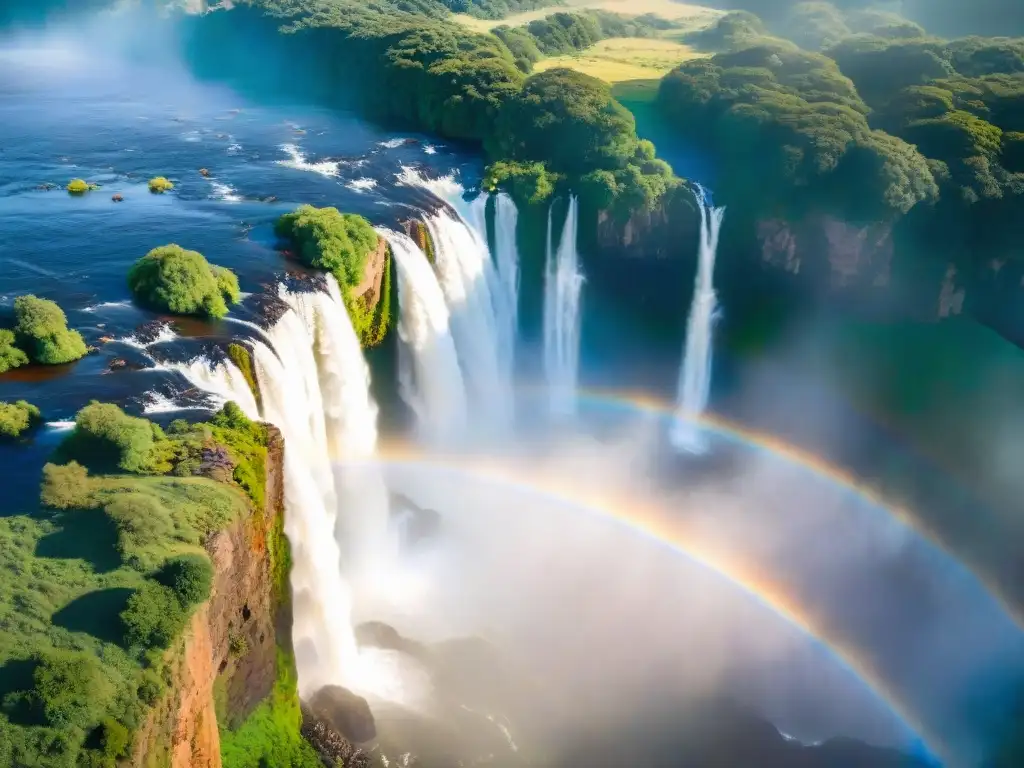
[563, 283]
[349, 416]
[468, 280]
[430, 379]
[506, 252]
[314, 384]
[479, 311]
[695, 372]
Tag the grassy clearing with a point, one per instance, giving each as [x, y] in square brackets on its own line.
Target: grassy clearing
[666, 9]
[621, 59]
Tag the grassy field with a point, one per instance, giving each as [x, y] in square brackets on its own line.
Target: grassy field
[621, 59]
[666, 9]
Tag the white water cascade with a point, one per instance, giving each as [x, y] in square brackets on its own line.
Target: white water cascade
[479, 313]
[314, 386]
[563, 283]
[695, 372]
[430, 379]
[506, 252]
[467, 278]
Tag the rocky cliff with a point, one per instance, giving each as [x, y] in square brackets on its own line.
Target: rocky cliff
[226, 664]
[882, 267]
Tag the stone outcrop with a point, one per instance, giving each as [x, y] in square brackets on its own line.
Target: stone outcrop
[373, 275]
[346, 712]
[229, 645]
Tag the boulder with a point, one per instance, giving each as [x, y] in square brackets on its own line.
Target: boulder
[346, 712]
[334, 749]
[117, 198]
[204, 173]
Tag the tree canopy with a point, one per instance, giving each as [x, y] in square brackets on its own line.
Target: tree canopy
[326, 238]
[172, 279]
[41, 331]
[17, 418]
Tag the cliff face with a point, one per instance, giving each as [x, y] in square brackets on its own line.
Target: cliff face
[373, 275]
[879, 267]
[226, 663]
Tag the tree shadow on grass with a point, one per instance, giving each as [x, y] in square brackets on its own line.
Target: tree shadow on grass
[96, 613]
[83, 535]
[15, 682]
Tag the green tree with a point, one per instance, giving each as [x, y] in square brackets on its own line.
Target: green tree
[172, 279]
[42, 331]
[106, 437]
[141, 521]
[67, 486]
[153, 617]
[10, 356]
[16, 418]
[72, 689]
[327, 239]
[189, 576]
[159, 185]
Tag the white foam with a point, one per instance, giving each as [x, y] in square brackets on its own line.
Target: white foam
[298, 161]
[60, 426]
[393, 143]
[108, 305]
[225, 192]
[364, 184]
[166, 333]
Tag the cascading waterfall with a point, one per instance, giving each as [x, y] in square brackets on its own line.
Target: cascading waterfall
[506, 252]
[563, 283]
[314, 385]
[479, 312]
[467, 277]
[430, 378]
[349, 416]
[695, 372]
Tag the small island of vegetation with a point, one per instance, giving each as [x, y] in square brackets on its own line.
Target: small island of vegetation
[40, 335]
[18, 418]
[80, 187]
[342, 244]
[172, 279]
[159, 185]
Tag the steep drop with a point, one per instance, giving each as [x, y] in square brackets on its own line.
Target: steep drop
[430, 378]
[695, 372]
[563, 283]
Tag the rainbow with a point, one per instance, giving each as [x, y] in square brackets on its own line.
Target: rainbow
[648, 520]
[644, 403]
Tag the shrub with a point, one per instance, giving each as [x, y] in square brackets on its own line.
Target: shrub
[242, 358]
[190, 577]
[172, 279]
[327, 239]
[141, 520]
[72, 689]
[114, 739]
[153, 617]
[106, 437]
[67, 486]
[42, 331]
[16, 418]
[10, 356]
[159, 185]
[80, 187]
[237, 644]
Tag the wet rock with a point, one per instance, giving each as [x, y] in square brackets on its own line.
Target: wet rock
[205, 173]
[416, 523]
[269, 199]
[117, 364]
[216, 464]
[117, 198]
[47, 187]
[377, 634]
[147, 333]
[333, 748]
[346, 712]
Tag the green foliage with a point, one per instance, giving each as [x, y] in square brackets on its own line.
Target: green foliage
[238, 646]
[327, 239]
[114, 740]
[792, 121]
[497, 9]
[10, 356]
[42, 332]
[80, 187]
[107, 438]
[141, 521]
[159, 185]
[271, 734]
[530, 182]
[733, 31]
[16, 418]
[67, 486]
[71, 689]
[189, 576]
[242, 358]
[172, 279]
[153, 618]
